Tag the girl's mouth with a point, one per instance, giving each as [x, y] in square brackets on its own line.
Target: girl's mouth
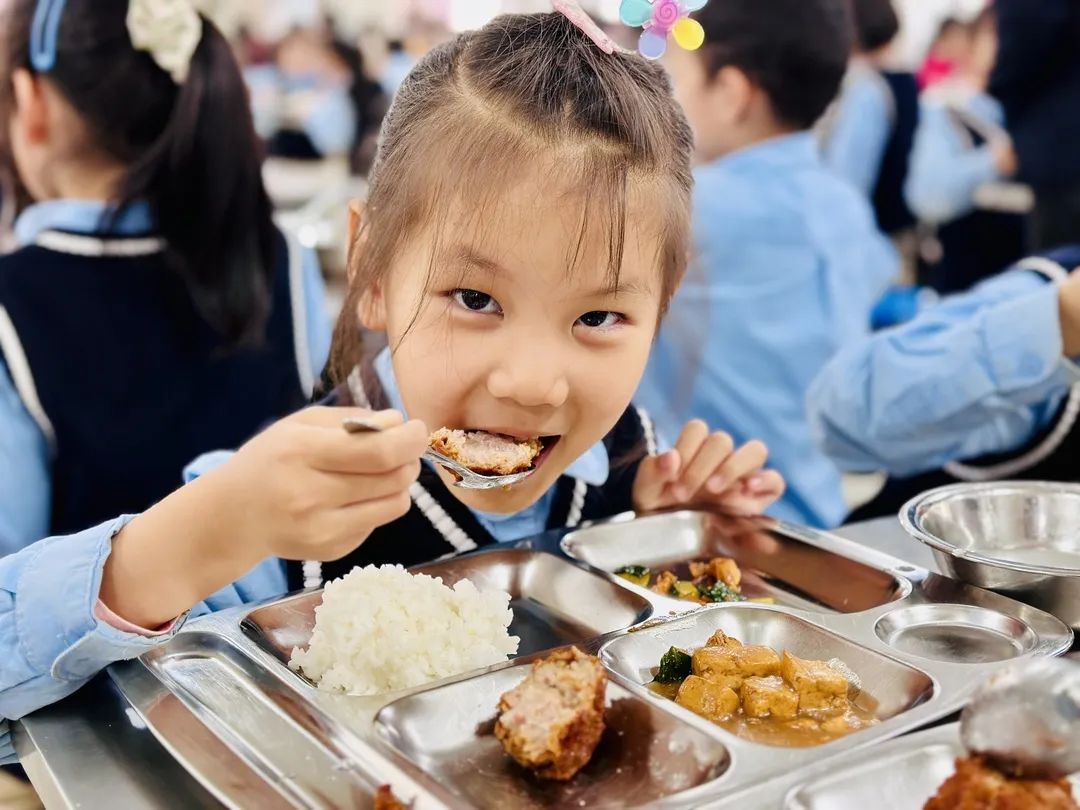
[493, 453]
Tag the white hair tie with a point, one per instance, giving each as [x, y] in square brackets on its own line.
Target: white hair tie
[168, 30]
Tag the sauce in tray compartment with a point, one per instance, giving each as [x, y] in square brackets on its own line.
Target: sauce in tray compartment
[759, 696]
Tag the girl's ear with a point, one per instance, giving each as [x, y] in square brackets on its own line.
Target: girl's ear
[371, 309]
[31, 106]
[354, 236]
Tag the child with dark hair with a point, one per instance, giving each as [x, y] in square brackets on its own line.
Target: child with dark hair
[527, 224]
[868, 137]
[787, 260]
[152, 311]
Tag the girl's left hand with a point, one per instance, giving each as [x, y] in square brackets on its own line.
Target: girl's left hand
[706, 469]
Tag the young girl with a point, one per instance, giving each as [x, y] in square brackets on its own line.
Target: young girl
[152, 311]
[526, 227]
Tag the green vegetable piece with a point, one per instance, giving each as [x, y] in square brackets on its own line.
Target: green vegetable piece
[685, 590]
[638, 574]
[674, 667]
[720, 592]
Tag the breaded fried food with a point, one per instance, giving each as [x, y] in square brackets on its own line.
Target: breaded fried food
[665, 581]
[713, 701]
[821, 688]
[552, 721]
[386, 800]
[977, 786]
[486, 453]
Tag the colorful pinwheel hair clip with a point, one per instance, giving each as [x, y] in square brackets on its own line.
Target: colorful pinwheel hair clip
[661, 19]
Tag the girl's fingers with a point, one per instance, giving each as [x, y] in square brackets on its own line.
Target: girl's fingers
[332, 450]
[321, 416]
[654, 474]
[693, 436]
[348, 528]
[701, 467]
[338, 490]
[748, 459]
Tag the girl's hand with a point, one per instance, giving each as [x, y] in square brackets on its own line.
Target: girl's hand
[705, 469]
[303, 489]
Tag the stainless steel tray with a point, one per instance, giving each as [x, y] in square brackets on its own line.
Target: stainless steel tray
[900, 774]
[902, 630]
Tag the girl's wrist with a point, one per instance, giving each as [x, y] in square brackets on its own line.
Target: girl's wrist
[175, 555]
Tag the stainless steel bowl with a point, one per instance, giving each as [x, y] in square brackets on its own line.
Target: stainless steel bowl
[1018, 537]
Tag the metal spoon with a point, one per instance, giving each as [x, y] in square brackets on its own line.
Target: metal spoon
[466, 478]
[1026, 721]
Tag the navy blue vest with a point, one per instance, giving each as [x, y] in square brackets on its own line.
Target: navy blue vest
[133, 383]
[891, 208]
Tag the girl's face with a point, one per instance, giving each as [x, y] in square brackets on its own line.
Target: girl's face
[511, 335]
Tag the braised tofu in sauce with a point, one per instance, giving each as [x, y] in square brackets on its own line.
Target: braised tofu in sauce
[765, 697]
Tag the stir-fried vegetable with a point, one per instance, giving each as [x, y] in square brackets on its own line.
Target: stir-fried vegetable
[674, 667]
[720, 592]
[685, 590]
[637, 574]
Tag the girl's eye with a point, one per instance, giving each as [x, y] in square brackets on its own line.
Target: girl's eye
[600, 319]
[475, 301]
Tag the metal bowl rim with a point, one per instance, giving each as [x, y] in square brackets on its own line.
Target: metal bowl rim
[912, 522]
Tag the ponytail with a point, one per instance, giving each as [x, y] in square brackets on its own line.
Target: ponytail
[202, 178]
[190, 150]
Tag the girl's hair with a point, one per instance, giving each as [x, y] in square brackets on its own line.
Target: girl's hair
[190, 151]
[524, 92]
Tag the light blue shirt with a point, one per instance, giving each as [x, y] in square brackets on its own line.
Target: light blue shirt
[26, 491]
[980, 374]
[946, 167]
[857, 130]
[788, 266]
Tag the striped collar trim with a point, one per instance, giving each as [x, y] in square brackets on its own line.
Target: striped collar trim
[75, 244]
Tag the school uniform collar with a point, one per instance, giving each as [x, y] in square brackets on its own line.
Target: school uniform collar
[781, 151]
[75, 227]
[593, 468]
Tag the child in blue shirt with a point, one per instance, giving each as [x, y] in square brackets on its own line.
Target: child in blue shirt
[787, 262]
[978, 388]
[527, 224]
[151, 311]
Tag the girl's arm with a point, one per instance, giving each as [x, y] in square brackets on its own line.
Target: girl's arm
[980, 374]
[24, 472]
[303, 489]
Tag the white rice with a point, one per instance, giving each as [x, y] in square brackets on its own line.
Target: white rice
[384, 629]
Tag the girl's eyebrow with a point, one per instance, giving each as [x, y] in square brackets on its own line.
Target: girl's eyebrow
[466, 256]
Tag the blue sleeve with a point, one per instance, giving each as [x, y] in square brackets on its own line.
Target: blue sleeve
[980, 374]
[856, 143]
[51, 642]
[25, 472]
[317, 314]
[945, 172]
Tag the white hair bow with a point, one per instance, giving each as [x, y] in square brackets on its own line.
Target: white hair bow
[168, 30]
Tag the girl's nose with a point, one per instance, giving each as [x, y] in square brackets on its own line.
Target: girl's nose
[529, 383]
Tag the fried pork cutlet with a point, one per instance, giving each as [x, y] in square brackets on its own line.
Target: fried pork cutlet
[486, 453]
[386, 800]
[977, 786]
[552, 721]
